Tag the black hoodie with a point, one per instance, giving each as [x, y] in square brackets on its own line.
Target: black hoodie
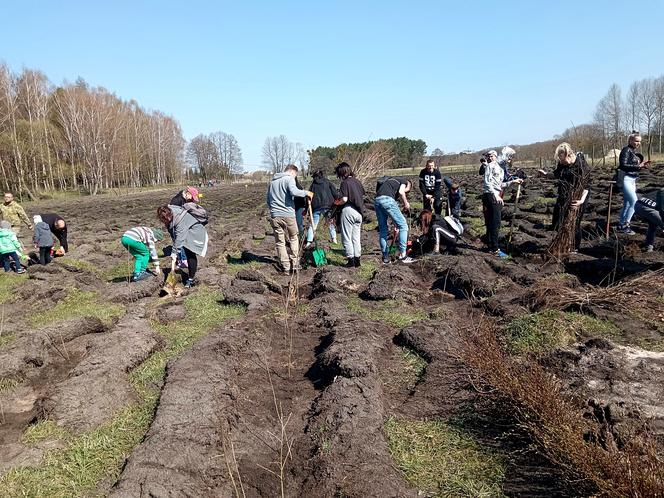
[324, 193]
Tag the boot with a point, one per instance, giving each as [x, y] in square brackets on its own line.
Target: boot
[357, 262]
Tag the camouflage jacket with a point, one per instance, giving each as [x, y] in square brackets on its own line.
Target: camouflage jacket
[14, 214]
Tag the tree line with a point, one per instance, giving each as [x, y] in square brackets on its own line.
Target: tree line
[76, 136]
[215, 156]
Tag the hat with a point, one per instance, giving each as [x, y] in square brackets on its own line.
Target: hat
[158, 233]
[194, 193]
[5, 224]
[37, 218]
[508, 152]
[492, 153]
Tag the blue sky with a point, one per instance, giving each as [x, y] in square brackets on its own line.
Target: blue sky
[455, 74]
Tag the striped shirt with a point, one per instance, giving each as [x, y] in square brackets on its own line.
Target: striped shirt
[146, 236]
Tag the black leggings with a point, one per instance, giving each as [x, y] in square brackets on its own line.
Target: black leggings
[192, 262]
[45, 255]
[492, 216]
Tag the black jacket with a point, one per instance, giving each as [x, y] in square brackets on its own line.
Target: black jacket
[628, 162]
[299, 202]
[569, 179]
[430, 183]
[178, 200]
[50, 219]
[324, 193]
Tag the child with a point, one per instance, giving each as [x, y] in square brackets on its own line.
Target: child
[9, 248]
[43, 238]
[140, 242]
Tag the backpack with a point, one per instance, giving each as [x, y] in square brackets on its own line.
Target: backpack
[197, 211]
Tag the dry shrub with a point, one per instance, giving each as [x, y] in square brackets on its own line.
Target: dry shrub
[587, 454]
[640, 295]
[370, 161]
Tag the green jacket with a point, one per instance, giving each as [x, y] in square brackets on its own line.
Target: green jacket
[14, 214]
[8, 241]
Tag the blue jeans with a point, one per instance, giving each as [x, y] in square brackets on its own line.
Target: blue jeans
[318, 214]
[629, 195]
[386, 207]
[299, 218]
[6, 264]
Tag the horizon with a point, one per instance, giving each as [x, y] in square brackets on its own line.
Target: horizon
[321, 77]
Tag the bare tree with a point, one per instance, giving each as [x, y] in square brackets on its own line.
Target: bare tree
[659, 100]
[278, 152]
[647, 105]
[632, 106]
[370, 161]
[230, 155]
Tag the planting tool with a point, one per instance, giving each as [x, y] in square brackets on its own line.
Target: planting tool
[516, 205]
[318, 253]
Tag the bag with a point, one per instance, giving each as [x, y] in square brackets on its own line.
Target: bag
[197, 211]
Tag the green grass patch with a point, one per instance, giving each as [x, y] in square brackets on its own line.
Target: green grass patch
[6, 339]
[44, 430]
[475, 226]
[235, 263]
[370, 226]
[77, 304]
[414, 364]
[8, 384]
[8, 284]
[443, 461]
[391, 312]
[549, 329]
[367, 270]
[98, 455]
[80, 264]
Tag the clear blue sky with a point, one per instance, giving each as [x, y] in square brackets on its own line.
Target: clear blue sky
[462, 74]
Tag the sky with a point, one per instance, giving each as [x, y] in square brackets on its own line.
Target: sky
[459, 75]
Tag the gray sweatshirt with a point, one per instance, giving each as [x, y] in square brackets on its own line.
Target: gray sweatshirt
[494, 179]
[280, 195]
[43, 236]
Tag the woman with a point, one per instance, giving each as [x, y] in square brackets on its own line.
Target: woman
[324, 196]
[187, 233]
[573, 176]
[628, 172]
[140, 242]
[437, 230]
[351, 202]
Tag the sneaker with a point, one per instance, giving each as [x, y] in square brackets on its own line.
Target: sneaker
[189, 283]
[356, 261]
[406, 260]
[350, 263]
[308, 245]
[334, 241]
[500, 254]
[137, 277]
[386, 260]
[649, 248]
[22, 270]
[626, 230]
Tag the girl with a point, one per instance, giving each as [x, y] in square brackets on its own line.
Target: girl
[140, 242]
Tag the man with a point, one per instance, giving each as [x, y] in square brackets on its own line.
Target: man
[388, 190]
[650, 207]
[430, 186]
[59, 229]
[280, 201]
[492, 202]
[14, 213]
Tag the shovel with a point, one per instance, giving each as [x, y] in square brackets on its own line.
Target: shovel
[170, 287]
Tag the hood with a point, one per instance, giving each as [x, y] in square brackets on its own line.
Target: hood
[279, 176]
[5, 233]
[37, 219]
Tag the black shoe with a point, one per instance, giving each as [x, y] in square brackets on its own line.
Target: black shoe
[356, 261]
[386, 260]
[350, 263]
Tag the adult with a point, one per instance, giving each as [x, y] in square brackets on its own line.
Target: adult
[58, 227]
[140, 242]
[454, 197]
[430, 186]
[321, 204]
[492, 201]
[506, 160]
[629, 165]
[189, 194]
[388, 190]
[437, 230]
[300, 204]
[352, 202]
[14, 213]
[280, 201]
[650, 207]
[188, 234]
[573, 175]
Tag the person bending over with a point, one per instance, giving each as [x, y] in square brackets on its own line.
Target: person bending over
[388, 190]
[650, 207]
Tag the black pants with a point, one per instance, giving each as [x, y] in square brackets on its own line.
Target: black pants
[437, 203]
[652, 216]
[192, 262]
[492, 216]
[45, 255]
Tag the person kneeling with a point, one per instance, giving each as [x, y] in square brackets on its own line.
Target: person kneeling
[650, 207]
[438, 232]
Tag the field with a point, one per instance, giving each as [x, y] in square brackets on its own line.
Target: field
[458, 375]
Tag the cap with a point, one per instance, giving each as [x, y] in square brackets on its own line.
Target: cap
[194, 193]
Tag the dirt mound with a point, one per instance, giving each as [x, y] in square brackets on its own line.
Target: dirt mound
[390, 283]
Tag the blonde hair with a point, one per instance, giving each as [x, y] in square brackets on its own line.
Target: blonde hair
[564, 150]
[633, 135]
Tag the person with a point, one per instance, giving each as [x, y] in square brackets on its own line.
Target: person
[430, 186]
[454, 197]
[492, 202]
[188, 234]
[388, 190]
[627, 173]
[300, 204]
[505, 160]
[43, 239]
[14, 213]
[351, 202]
[571, 171]
[321, 204]
[437, 230]
[9, 248]
[140, 242]
[58, 228]
[189, 194]
[650, 207]
[280, 202]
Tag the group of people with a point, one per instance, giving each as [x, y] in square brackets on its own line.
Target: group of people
[46, 229]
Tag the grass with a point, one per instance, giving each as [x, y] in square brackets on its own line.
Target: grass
[98, 455]
[546, 330]
[77, 304]
[44, 430]
[442, 461]
[8, 284]
[390, 312]
[6, 339]
[119, 270]
[475, 226]
[235, 263]
[8, 384]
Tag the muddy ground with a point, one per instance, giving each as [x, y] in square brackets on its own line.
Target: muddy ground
[294, 399]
